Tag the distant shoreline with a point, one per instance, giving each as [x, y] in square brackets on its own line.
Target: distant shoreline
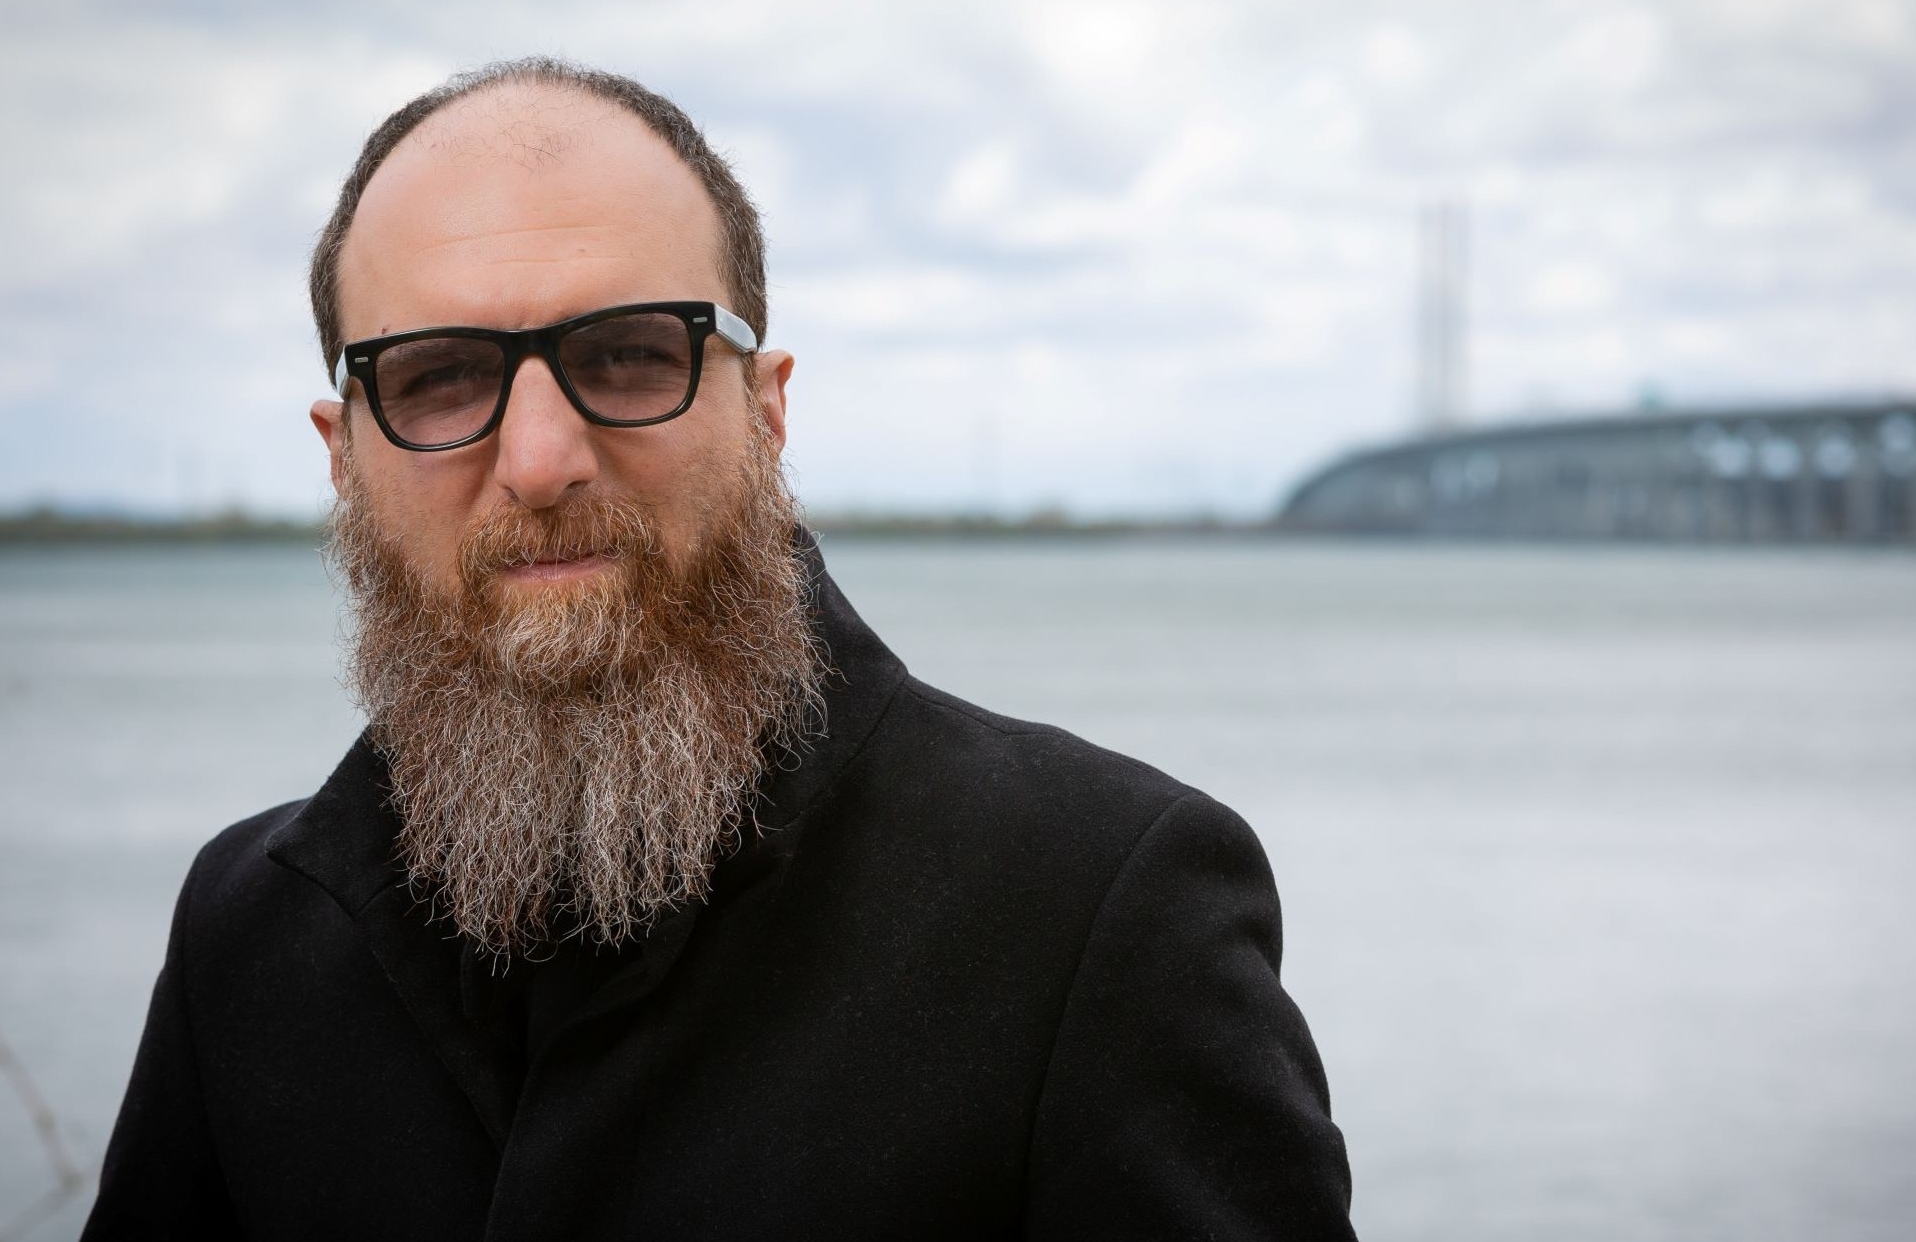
[46, 528]
[52, 526]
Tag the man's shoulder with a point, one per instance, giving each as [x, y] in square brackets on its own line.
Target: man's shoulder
[1022, 785]
[971, 734]
[234, 867]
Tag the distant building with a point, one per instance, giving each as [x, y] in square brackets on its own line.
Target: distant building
[1824, 473]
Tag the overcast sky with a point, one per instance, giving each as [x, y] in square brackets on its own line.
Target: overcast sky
[1119, 257]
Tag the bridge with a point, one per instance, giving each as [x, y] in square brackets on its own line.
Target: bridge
[1829, 473]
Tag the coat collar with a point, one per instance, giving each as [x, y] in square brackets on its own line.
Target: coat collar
[343, 840]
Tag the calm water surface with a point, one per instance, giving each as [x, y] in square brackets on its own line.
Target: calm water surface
[1596, 863]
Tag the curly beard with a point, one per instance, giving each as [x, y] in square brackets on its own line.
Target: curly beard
[573, 760]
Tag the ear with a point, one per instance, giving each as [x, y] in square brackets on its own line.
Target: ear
[329, 418]
[774, 369]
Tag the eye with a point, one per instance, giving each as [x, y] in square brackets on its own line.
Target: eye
[621, 349]
[629, 354]
[423, 379]
[439, 379]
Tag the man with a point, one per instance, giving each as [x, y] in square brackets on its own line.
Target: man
[659, 900]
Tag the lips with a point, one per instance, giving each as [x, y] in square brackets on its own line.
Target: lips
[556, 569]
[545, 555]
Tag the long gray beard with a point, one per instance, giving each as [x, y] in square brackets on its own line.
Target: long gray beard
[576, 764]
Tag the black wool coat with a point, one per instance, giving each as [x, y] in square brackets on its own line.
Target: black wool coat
[975, 979]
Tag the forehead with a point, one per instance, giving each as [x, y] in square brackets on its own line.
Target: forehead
[522, 205]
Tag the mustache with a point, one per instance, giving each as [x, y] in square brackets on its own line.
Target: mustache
[586, 525]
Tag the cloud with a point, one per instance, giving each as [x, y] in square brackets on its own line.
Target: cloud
[1114, 255]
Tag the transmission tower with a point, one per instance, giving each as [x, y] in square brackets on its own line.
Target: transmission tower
[1442, 251]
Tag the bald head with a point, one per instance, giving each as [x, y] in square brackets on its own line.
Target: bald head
[535, 113]
[526, 121]
[510, 204]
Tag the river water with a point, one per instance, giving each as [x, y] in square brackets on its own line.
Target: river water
[1597, 863]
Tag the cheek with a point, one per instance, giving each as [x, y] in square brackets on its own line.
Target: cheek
[425, 504]
[683, 480]
[665, 465]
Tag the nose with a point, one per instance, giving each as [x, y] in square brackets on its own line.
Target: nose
[544, 445]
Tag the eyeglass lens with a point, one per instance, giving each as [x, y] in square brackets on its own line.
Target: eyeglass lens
[625, 369]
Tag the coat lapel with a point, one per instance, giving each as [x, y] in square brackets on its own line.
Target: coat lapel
[343, 841]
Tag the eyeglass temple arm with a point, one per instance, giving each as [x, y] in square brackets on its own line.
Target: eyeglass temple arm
[737, 333]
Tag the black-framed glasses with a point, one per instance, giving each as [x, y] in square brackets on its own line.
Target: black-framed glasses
[623, 366]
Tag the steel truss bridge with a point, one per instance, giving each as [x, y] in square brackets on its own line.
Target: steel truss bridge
[1835, 473]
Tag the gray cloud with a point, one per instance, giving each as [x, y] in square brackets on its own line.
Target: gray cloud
[1113, 255]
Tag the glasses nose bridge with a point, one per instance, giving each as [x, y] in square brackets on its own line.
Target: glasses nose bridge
[543, 344]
